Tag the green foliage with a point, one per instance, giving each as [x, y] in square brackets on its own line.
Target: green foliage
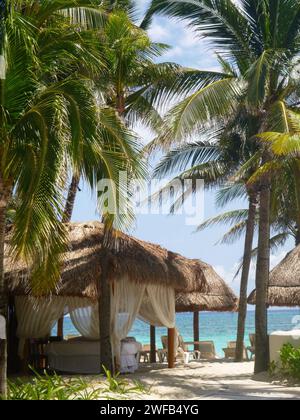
[273, 368]
[55, 387]
[47, 387]
[117, 385]
[290, 360]
[53, 121]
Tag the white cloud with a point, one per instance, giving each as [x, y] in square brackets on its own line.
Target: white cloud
[158, 33]
[173, 53]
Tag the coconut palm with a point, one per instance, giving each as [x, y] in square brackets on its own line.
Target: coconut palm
[135, 85]
[259, 40]
[217, 161]
[50, 121]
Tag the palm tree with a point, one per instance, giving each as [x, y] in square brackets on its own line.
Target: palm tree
[50, 120]
[216, 161]
[133, 84]
[259, 41]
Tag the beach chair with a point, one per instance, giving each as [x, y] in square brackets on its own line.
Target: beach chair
[179, 351]
[163, 353]
[251, 349]
[145, 353]
[230, 351]
[193, 354]
[207, 350]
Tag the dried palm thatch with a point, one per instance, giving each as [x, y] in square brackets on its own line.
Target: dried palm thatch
[218, 298]
[141, 261]
[284, 284]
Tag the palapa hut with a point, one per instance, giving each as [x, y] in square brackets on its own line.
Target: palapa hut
[284, 283]
[218, 298]
[144, 279]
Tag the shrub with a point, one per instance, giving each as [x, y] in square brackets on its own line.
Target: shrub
[290, 360]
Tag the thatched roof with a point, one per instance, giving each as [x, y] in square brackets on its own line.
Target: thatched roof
[218, 298]
[284, 284]
[141, 261]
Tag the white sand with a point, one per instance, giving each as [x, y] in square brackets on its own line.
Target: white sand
[218, 380]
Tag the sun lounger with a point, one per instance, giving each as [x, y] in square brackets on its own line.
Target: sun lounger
[207, 350]
[145, 353]
[181, 350]
[230, 351]
[194, 354]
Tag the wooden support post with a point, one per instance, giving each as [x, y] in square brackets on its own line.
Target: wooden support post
[196, 330]
[60, 328]
[171, 348]
[25, 362]
[152, 344]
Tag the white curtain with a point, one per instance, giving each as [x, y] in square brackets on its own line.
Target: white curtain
[36, 317]
[86, 321]
[126, 299]
[154, 304]
[158, 306]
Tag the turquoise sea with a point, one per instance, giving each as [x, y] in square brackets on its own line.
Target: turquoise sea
[219, 327]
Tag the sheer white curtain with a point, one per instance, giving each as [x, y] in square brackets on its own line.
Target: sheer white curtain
[126, 299]
[86, 320]
[36, 317]
[153, 303]
[158, 306]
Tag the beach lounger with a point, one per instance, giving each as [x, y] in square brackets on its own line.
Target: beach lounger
[251, 349]
[179, 351]
[207, 350]
[145, 353]
[193, 354]
[230, 351]
[163, 353]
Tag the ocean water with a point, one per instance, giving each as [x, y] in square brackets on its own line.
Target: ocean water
[218, 327]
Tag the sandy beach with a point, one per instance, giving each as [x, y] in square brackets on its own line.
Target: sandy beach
[218, 380]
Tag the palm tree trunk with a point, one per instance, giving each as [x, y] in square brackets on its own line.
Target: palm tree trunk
[262, 279]
[105, 288]
[245, 277]
[67, 216]
[4, 195]
[105, 315]
[297, 195]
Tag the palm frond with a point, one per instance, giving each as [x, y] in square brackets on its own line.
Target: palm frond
[231, 192]
[216, 100]
[231, 217]
[186, 156]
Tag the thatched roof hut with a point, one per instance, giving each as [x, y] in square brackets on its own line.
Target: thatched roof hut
[141, 261]
[284, 284]
[218, 298]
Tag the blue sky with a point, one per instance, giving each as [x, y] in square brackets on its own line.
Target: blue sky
[171, 231]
